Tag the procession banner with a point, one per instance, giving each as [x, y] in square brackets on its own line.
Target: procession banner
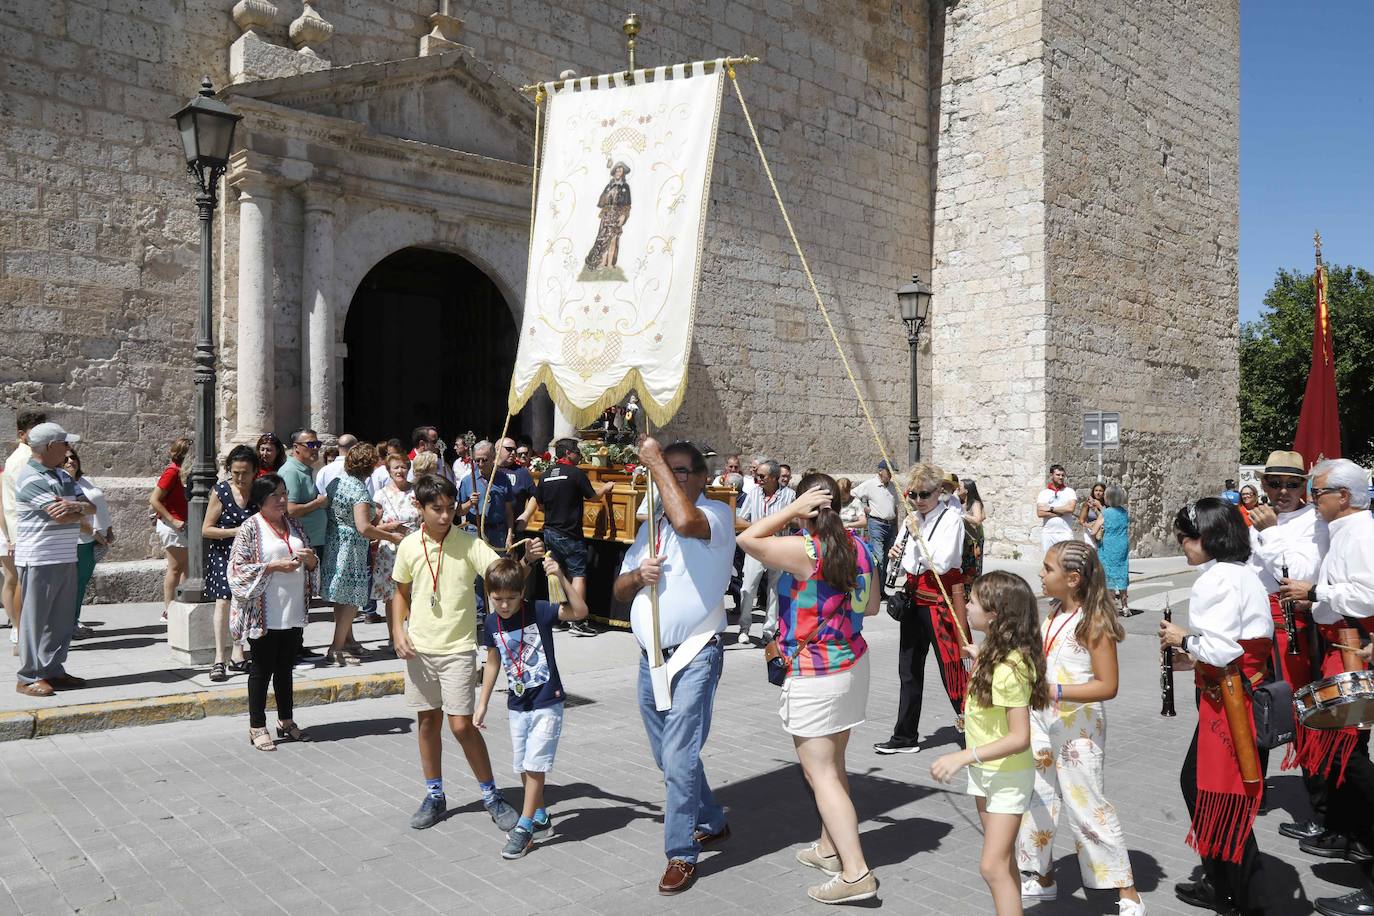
[615, 253]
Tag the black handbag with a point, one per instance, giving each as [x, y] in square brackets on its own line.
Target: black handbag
[899, 603]
[1272, 702]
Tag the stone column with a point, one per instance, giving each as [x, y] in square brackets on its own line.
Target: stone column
[318, 350]
[256, 396]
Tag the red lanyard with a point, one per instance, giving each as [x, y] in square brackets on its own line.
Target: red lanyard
[518, 660]
[433, 572]
[1054, 634]
[284, 538]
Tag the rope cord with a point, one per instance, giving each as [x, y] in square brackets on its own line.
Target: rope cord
[505, 426]
[844, 360]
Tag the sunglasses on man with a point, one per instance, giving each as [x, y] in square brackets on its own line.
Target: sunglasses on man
[1284, 484]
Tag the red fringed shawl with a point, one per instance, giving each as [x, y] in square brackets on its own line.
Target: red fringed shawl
[928, 600]
[1226, 806]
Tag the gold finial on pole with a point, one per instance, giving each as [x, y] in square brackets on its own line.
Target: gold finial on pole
[631, 29]
[1317, 241]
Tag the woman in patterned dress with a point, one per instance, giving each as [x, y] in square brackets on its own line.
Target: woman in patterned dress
[398, 506]
[1069, 737]
[227, 510]
[345, 550]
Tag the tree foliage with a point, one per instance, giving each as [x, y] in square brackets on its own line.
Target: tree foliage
[1276, 354]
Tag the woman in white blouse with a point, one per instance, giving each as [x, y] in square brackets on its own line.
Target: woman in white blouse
[96, 535]
[1229, 629]
[270, 570]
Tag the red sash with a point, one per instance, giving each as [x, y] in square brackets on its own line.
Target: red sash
[1297, 671]
[1331, 748]
[1226, 807]
[929, 600]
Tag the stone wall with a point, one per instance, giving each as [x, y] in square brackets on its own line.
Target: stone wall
[989, 310]
[1142, 165]
[98, 242]
[1085, 252]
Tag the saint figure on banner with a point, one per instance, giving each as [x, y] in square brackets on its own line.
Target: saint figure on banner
[614, 204]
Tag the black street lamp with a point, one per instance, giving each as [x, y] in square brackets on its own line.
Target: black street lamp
[913, 300]
[207, 127]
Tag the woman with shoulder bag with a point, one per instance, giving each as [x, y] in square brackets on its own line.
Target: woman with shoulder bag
[826, 589]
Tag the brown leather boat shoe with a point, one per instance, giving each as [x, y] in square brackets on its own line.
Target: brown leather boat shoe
[677, 877]
[38, 688]
[706, 839]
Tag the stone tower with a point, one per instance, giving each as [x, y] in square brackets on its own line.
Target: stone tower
[1085, 246]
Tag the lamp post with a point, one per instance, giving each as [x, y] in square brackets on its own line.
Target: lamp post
[207, 127]
[913, 301]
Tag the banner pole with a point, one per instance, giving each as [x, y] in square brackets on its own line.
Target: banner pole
[656, 651]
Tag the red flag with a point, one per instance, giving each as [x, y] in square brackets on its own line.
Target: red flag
[1319, 426]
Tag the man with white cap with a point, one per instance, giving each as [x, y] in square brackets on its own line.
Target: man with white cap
[49, 526]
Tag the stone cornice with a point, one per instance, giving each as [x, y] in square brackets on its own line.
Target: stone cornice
[364, 81]
[265, 119]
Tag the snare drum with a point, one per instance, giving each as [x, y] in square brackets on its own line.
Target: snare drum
[1343, 700]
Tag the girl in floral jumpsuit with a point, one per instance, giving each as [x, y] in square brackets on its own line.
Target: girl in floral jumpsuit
[1069, 737]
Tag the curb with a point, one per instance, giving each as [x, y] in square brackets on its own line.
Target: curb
[179, 707]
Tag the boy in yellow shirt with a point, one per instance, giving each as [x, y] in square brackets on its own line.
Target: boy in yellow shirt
[433, 623]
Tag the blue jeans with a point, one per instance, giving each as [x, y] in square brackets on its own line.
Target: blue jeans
[677, 737]
[881, 535]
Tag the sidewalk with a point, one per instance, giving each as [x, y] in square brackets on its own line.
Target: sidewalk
[132, 680]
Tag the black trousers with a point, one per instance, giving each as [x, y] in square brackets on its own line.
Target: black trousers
[1319, 794]
[1245, 882]
[916, 637]
[274, 655]
[1351, 811]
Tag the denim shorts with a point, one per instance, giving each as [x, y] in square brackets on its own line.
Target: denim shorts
[570, 551]
[534, 737]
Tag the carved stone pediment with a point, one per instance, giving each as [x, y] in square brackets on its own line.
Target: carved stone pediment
[450, 100]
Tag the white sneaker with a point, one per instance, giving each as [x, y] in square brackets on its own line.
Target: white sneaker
[14, 635]
[1032, 889]
[1131, 908]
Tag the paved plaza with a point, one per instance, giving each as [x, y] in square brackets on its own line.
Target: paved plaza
[185, 817]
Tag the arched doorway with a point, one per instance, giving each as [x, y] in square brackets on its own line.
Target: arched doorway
[430, 341]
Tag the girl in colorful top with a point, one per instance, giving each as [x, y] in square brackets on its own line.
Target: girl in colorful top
[1069, 737]
[1008, 681]
[824, 593]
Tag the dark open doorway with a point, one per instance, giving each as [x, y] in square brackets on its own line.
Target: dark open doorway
[430, 341]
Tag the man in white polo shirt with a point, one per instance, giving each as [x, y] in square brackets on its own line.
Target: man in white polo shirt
[1055, 506]
[49, 525]
[696, 546]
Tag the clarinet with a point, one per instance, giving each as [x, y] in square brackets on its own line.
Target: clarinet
[894, 567]
[1290, 623]
[1166, 670]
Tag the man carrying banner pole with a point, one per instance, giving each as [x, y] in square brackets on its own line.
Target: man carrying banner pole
[688, 567]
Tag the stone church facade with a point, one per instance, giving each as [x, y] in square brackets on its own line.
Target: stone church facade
[1064, 172]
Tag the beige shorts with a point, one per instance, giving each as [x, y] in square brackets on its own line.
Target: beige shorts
[447, 682]
[1007, 791]
[818, 706]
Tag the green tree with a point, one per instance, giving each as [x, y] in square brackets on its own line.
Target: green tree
[1276, 354]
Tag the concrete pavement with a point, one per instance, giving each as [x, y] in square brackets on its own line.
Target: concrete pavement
[186, 817]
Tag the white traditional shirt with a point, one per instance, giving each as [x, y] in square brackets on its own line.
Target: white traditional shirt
[694, 576]
[943, 530]
[1228, 603]
[1058, 528]
[1298, 542]
[1345, 584]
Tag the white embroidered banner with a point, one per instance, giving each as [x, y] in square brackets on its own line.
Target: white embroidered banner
[615, 257]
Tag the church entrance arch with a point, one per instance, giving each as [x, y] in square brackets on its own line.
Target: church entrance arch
[431, 341]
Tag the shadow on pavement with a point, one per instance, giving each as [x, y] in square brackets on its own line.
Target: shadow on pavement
[358, 728]
[774, 811]
[168, 676]
[100, 644]
[586, 822]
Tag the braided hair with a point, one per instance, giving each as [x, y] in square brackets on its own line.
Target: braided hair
[1099, 618]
